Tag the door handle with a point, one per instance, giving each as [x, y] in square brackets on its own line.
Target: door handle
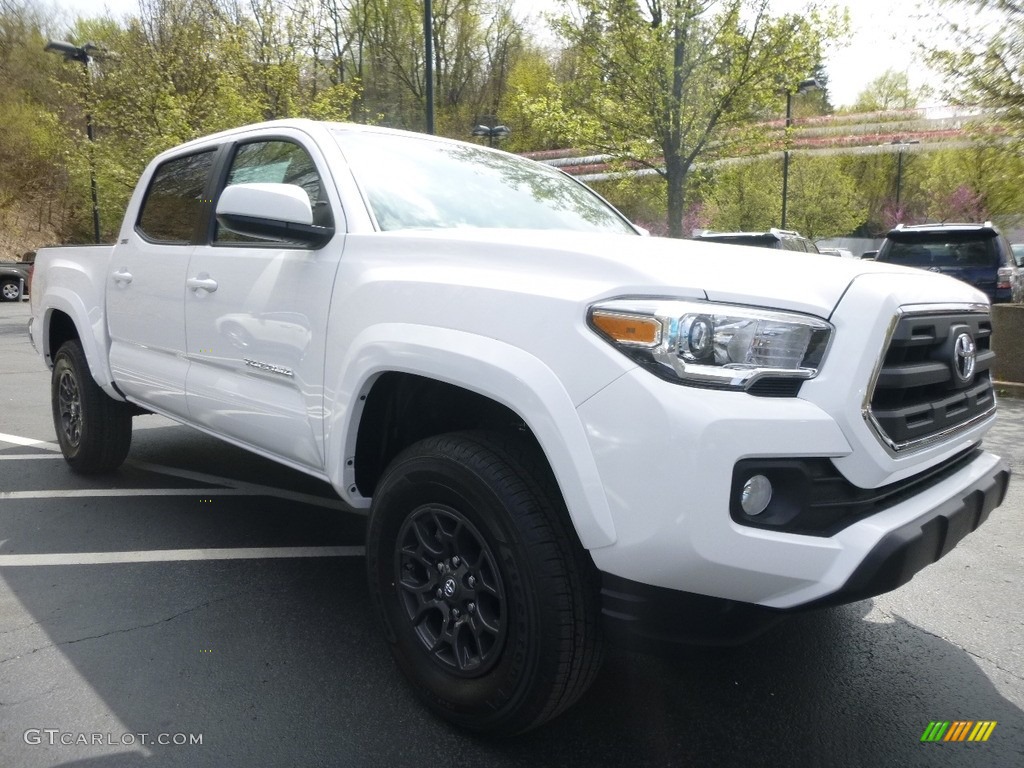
[207, 284]
[122, 276]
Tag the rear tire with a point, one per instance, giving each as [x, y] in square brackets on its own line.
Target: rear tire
[94, 430]
[488, 599]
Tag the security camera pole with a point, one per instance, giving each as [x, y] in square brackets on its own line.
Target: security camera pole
[84, 55]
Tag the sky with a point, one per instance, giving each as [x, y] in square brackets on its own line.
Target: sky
[882, 37]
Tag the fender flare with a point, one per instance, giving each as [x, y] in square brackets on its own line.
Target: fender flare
[491, 368]
[92, 334]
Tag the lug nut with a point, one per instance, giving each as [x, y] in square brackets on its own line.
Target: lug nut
[455, 561]
[455, 612]
[471, 607]
[471, 581]
[440, 567]
[440, 593]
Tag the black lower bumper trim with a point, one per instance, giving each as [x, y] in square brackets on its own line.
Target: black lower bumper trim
[903, 552]
[657, 619]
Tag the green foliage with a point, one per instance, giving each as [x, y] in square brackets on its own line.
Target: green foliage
[823, 201]
[746, 196]
[986, 60]
[640, 198]
[889, 91]
[684, 79]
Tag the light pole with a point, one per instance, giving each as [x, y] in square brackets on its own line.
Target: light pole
[84, 55]
[805, 86]
[899, 165]
[492, 132]
[428, 54]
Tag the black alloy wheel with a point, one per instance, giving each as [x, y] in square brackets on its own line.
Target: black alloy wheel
[487, 598]
[94, 430]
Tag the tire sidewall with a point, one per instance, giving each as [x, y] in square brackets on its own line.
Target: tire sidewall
[409, 484]
[3, 290]
[65, 361]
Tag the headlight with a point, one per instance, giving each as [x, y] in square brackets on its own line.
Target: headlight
[713, 345]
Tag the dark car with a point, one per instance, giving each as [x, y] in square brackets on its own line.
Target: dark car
[975, 253]
[782, 239]
[14, 278]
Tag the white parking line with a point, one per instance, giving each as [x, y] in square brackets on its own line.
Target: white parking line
[85, 493]
[176, 555]
[252, 489]
[28, 441]
[30, 456]
[234, 487]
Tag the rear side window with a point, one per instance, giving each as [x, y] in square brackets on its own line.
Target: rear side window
[173, 200]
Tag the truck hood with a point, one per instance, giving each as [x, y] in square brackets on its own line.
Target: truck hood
[605, 265]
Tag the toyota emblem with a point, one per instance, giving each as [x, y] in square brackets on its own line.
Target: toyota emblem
[450, 588]
[964, 357]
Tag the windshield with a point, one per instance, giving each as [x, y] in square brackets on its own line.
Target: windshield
[422, 183]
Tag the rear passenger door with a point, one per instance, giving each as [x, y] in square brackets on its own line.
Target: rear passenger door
[146, 284]
[256, 313]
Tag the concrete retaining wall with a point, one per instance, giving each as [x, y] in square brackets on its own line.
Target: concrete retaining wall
[1008, 343]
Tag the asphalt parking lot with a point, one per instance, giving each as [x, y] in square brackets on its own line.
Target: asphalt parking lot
[201, 594]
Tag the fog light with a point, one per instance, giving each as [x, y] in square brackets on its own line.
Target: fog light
[757, 492]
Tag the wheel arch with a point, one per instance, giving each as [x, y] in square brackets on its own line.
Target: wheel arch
[400, 383]
[65, 317]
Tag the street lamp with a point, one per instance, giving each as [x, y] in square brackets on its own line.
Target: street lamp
[428, 61]
[805, 86]
[492, 132]
[899, 164]
[84, 55]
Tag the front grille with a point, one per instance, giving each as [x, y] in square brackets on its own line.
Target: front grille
[919, 395]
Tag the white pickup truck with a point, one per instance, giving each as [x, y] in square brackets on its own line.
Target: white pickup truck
[562, 430]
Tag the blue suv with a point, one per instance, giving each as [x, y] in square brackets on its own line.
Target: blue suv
[975, 253]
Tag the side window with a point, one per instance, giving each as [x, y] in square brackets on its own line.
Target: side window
[281, 162]
[173, 200]
[172, 203]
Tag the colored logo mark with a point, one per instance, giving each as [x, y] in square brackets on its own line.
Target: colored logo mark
[958, 730]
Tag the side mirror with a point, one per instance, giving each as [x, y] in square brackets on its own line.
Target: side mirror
[274, 212]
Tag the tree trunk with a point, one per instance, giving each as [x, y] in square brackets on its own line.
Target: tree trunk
[675, 176]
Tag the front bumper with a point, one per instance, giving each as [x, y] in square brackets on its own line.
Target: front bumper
[904, 551]
[657, 619]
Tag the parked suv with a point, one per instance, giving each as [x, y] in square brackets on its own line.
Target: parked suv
[782, 239]
[975, 253]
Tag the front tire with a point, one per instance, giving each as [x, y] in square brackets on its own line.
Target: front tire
[486, 596]
[10, 290]
[94, 430]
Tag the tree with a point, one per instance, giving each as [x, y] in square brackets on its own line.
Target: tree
[746, 195]
[986, 63]
[683, 79]
[890, 90]
[823, 200]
